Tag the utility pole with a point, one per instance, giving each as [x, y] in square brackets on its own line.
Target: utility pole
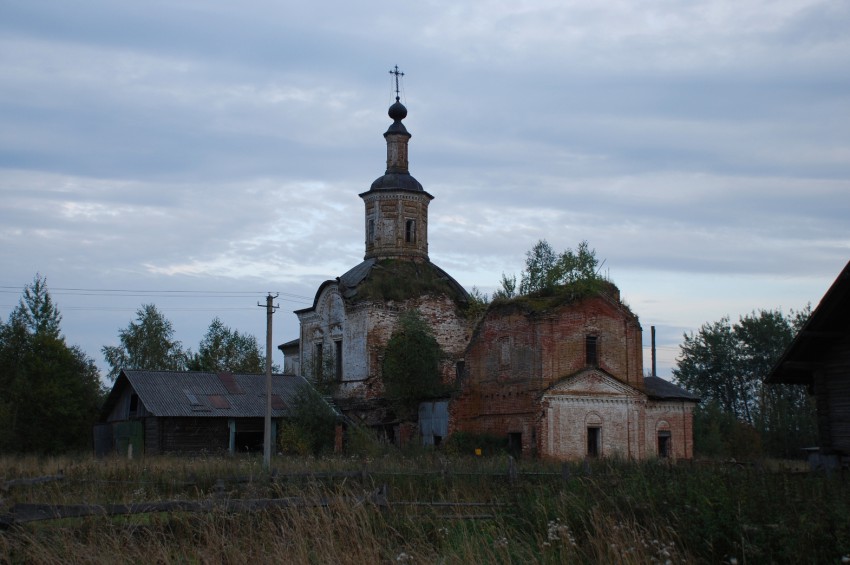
[267, 431]
[653, 351]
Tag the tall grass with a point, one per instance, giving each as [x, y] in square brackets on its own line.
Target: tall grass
[607, 512]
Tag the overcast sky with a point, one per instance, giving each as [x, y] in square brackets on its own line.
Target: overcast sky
[199, 154]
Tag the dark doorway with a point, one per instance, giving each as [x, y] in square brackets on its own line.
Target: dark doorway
[593, 436]
[515, 444]
[249, 436]
[664, 444]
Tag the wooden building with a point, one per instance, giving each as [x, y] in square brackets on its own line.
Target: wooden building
[819, 358]
[159, 412]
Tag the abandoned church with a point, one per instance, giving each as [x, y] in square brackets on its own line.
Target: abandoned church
[556, 377]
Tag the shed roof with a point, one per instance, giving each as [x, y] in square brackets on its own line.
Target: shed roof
[827, 325]
[206, 394]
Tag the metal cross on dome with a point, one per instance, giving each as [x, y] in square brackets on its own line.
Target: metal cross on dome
[397, 74]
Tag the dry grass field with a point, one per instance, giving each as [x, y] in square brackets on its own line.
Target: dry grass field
[416, 509]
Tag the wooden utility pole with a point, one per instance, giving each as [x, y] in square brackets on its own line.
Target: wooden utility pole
[653, 351]
[267, 430]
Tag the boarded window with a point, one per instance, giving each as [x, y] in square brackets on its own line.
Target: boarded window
[591, 349]
[504, 351]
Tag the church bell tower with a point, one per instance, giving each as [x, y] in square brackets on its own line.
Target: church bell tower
[396, 204]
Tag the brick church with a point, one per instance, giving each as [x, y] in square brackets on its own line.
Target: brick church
[560, 377]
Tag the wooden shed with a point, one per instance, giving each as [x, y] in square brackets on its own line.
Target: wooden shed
[190, 412]
[819, 358]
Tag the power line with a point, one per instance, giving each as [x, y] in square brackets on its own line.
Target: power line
[160, 293]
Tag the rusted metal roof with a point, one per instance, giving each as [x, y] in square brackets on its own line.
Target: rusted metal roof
[203, 394]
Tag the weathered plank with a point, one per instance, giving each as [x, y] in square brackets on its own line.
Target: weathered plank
[31, 512]
[6, 485]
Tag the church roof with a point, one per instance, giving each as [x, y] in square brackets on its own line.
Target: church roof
[396, 181]
[409, 279]
[660, 389]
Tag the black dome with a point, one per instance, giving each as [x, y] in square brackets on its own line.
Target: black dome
[397, 111]
[396, 181]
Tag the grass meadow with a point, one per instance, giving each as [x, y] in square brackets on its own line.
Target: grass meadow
[426, 508]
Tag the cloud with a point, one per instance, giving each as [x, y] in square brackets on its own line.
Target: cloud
[702, 148]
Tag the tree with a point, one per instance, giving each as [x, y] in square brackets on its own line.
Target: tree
[311, 428]
[726, 364]
[411, 367]
[546, 270]
[147, 343]
[36, 311]
[508, 288]
[541, 268]
[224, 349]
[50, 392]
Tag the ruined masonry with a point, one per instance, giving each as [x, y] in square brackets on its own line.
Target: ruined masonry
[557, 377]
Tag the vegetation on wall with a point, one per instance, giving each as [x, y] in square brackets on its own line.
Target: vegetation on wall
[399, 280]
[411, 366]
[550, 279]
[726, 364]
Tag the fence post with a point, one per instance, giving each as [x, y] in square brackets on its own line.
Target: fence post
[512, 470]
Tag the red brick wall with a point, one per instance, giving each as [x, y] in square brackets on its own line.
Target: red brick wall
[516, 355]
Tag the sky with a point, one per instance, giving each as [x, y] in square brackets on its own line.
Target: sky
[200, 154]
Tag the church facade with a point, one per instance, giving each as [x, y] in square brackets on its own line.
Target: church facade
[559, 379]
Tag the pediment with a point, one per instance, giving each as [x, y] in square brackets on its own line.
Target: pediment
[592, 383]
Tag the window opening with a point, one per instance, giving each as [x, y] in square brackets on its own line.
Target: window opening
[134, 405]
[410, 231]
[664, 444]
[460, 368]
[370, 231]
[338, 360]
[318, 361]
[593, 436]
[591, 350]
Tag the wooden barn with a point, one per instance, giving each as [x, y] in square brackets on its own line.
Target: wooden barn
[819, 358]
[157, 412]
